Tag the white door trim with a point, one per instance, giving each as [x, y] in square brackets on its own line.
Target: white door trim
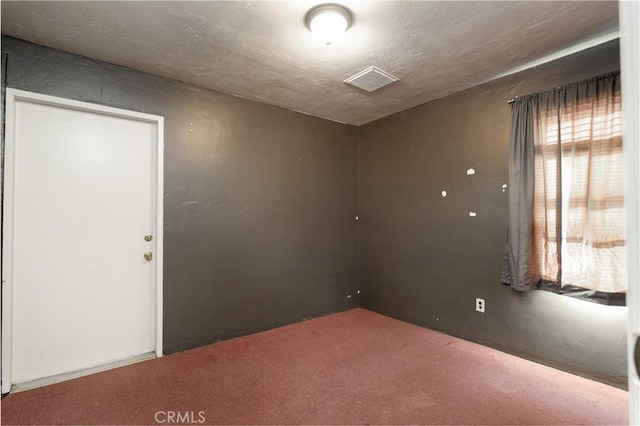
[12, 96]
[629, 13]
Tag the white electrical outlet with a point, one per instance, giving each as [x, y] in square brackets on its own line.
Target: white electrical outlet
[480, 305]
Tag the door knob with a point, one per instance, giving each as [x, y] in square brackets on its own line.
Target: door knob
[148, 256]
[636, 355]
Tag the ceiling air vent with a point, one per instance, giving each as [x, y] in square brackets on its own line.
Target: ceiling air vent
[373, 78]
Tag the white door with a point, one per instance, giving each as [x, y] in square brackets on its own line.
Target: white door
[629, 12]
[81, 212]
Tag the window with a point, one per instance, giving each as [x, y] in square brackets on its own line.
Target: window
[566, 178]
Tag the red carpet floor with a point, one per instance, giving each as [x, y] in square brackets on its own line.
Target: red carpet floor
[355, 367]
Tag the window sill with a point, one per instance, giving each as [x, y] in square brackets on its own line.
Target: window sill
[602, 298]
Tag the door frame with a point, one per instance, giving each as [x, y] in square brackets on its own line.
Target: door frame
[629, 17]
[12, 97]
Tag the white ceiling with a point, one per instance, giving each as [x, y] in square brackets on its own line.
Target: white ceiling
[262, 50]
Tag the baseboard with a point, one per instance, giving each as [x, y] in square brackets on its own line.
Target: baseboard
[31, 384]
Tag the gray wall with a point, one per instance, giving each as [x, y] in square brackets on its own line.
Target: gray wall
[260, 202]
[425, 260]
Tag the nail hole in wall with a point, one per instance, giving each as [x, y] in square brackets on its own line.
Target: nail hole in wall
[471, 172]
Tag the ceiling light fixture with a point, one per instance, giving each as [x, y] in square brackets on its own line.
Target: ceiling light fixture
[328, 22]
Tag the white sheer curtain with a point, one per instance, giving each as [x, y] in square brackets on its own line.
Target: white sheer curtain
[578, 208]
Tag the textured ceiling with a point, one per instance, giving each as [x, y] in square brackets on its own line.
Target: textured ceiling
[262, 50]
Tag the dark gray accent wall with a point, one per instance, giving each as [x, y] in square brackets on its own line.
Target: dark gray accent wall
[425, 260]
[260, 202]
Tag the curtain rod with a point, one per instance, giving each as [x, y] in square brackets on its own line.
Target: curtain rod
[515, 98]
[512, 100]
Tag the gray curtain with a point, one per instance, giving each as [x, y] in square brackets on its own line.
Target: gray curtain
[517, 265]
[566, 203]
